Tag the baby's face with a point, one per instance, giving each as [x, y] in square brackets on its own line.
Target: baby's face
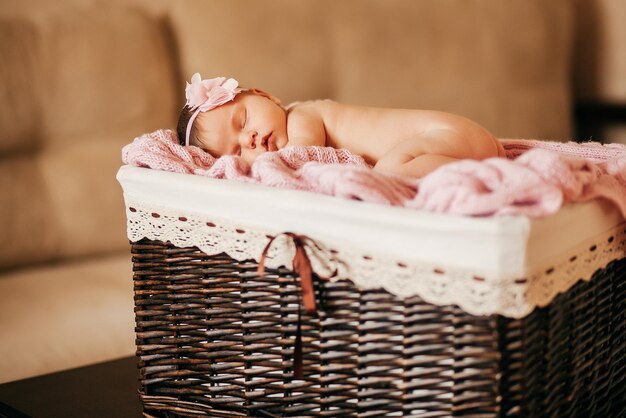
[248, 126]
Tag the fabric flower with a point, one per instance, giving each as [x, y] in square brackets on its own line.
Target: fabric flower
[207, 94]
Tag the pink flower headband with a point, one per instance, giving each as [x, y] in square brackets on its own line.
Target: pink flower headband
[204, 95]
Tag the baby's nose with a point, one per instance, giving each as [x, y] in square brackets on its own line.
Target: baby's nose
[248, 139]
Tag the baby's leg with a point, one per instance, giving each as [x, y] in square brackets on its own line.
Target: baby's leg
[419, 155]
[422, 165]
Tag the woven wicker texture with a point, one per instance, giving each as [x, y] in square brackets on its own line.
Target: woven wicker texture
[214, 339]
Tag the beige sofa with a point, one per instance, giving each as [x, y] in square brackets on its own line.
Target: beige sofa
[82, 78]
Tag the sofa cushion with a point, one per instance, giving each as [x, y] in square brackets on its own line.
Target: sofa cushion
[499, 63]
[502, 64]
[65, 316]
[80, 83]
[105, 68]
[280, 46]
[20, 103]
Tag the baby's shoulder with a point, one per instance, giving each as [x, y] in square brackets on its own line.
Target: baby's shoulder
[306, 123]
[318, 111]
[310, 105]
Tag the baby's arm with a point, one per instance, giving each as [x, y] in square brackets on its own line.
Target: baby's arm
[423, 153]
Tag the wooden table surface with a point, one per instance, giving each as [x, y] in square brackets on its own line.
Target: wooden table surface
[101, 390]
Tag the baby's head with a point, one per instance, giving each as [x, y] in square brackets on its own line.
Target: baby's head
[222, 118]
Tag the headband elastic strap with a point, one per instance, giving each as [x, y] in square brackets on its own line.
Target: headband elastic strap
[189, 125]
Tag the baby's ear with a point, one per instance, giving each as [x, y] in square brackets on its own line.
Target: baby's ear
[264, 94]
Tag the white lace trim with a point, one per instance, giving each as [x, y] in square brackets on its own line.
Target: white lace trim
[477, 295]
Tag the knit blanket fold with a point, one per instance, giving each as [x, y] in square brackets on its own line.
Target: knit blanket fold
[536, 179]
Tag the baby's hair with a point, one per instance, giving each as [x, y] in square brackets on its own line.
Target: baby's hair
[181, 127]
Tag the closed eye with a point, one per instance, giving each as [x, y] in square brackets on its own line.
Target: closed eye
[244, 118]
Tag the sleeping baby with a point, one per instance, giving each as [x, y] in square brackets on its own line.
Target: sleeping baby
[223, 118]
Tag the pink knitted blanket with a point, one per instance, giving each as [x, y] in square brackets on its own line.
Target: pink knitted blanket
[535, 179]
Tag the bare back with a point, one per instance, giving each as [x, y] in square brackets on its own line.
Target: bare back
[374, 132]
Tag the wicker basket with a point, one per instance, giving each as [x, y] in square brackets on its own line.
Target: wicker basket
[502, 328]
[216, 339]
